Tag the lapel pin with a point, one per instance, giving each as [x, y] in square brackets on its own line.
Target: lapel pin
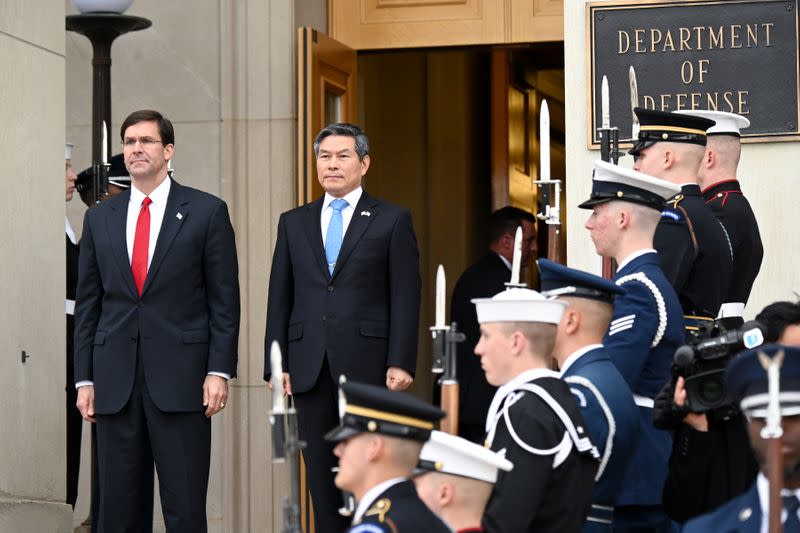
[179, 216]
[365, 213]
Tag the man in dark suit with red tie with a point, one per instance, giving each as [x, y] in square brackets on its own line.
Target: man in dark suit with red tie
[156, 331]
[344, 296]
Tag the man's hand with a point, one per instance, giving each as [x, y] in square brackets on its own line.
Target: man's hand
[85, 403]
[697, 421]
[287, 383]
[397, 378]
[215, 394]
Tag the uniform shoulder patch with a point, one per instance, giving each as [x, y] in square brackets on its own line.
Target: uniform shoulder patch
[668, 213]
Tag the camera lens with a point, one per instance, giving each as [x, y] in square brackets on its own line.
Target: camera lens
[712, 390]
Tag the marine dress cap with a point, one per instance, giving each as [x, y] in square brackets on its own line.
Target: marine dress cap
[747, 381]
[372, 409]
[519, 305]
[559, 280]
[454, 455]
[726, 123]
[658, 126]
[613, 182]
[117, 175]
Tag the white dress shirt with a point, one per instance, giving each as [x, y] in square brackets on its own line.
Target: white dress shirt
[352, 199]
[577, 355]
[158, 207]
[369, 497]
[634, 255]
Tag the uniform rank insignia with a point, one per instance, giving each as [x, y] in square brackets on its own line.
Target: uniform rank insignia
[379, 509]
[671, 214]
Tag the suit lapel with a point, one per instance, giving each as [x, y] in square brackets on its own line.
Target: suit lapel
[176, 203]
[313, 229]
[117, 235]
[358, 225]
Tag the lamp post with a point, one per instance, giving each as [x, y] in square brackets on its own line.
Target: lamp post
[101, 26]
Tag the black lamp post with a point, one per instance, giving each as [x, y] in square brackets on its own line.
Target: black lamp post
[101, 29]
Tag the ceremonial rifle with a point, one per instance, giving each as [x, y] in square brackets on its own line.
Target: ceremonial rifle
[773, 434]
[550, 214]
[445, 339]
[286, 443]
[100, 170]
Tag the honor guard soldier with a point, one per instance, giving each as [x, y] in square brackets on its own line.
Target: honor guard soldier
[378, 446]
[604, 398]
[723, 193]
[747, 382]
[455, 478]
[646, 328]
[533, 419]
[693, 247]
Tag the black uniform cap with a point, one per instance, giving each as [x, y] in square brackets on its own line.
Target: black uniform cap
[371, 409]
[748, 383]
[559, 280]
[117, 175]
[658, 126]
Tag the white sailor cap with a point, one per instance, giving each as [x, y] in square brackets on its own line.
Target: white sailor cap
[68, 150]
[519, 305]
[726, 123]
[449, 454]
[613, 182]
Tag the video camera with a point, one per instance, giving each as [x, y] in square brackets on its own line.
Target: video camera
[703, 359]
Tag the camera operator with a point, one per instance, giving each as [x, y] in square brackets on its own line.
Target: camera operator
[711, 460]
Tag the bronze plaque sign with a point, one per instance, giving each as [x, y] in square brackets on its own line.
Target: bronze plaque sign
[727, 55]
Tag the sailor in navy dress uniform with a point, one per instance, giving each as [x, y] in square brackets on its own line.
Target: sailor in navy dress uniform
[455, 478]
[379, 441]
[604, 398]
[694, 248]
[747, 382]
[646, 329]
[723, 194]
[533, 419]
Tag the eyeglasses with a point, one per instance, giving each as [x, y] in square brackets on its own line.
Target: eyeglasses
[146, 142]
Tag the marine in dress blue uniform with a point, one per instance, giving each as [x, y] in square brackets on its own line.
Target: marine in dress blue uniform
[722, 192]
[646, 329]
[533, 419]
[747, 382]
[693, 247]
[386, 502]
[604, 398]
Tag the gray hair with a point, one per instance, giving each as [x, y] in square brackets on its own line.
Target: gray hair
[344, 130]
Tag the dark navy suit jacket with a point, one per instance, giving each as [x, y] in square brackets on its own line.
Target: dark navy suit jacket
[187, 318]
[645, 331]
[365, 316]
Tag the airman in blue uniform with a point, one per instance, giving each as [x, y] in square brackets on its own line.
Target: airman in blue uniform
[646, 328]
[747, 381]
[604, 398]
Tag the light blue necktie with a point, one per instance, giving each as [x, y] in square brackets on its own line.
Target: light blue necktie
[333, 240]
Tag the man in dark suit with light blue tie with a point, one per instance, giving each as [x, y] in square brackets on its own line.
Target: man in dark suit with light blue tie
[344, 295]
[156, 332]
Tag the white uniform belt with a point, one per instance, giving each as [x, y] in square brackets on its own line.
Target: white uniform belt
[730, 309]
[643, 401]
[70, 307]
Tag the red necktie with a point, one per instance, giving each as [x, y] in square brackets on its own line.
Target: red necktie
[141, 245]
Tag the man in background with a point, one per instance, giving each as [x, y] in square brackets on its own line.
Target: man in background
[483, 279]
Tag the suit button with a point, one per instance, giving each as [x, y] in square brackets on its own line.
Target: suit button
[324, 318]
[330, 288]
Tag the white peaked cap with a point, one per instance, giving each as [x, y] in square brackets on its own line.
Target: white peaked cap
[519, 305]
[726, 123]
[68, 150]
[449, 454]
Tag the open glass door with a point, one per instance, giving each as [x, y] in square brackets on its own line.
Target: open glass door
[326, 93]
